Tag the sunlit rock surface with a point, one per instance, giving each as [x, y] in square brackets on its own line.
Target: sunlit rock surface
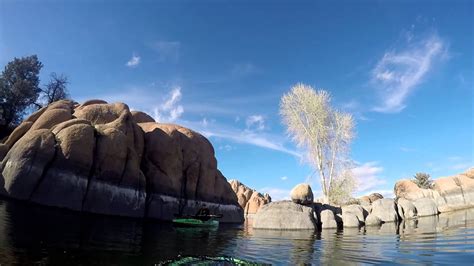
[102, 158]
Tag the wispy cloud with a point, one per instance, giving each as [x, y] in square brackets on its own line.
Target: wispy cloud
[267, 141]
[256, 122]
[368, 177]
[167, 50]
[284, 178]
[134, 61]
[399, 72]
[171, 109]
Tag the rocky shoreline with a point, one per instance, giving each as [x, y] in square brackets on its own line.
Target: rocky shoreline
[102, 158]
[411, 202]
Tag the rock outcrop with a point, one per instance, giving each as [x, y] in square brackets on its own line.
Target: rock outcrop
[102, 158]
[249, 199]
[384, 210]
[285, 215]
[448, 193]
[302, 194]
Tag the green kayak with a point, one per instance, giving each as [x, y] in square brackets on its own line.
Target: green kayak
[205, 260]
[195, 222]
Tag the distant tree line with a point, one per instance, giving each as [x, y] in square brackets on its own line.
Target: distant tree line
[21, 92]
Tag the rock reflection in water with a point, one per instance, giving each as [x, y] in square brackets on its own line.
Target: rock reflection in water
[31, 234]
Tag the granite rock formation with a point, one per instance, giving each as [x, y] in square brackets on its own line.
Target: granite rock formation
[101, 158]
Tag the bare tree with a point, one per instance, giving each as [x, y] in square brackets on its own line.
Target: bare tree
[324, 132]
[56, 89]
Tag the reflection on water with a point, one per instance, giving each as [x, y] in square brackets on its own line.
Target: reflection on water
[33, 234]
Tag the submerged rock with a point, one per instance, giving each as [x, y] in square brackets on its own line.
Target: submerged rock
[101, 158]
[285, 215]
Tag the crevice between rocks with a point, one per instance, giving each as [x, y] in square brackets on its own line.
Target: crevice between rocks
[46, 167]
[92, 169]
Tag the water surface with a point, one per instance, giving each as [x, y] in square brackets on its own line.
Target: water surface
[31, 234]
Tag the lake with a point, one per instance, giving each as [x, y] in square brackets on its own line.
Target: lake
[31, 234]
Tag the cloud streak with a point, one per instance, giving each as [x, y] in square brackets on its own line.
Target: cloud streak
[398, 73]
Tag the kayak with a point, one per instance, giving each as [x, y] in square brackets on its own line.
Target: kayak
[195, 222]
[205, 260]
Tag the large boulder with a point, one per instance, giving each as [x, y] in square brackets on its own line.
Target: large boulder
[406, 209]
[355, 209]
[102, 158]
[328, 219]
[302, 194]
[285, 215]
[249, 199]
[385, 210]
[425, 207]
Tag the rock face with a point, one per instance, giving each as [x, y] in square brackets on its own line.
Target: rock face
[425, 207]
[448, 193]
[385, 210]
[328, 220]
[353, 215]
[302, 194]
[249, 199]
[406, 209]
[102, 158]
[285, 215]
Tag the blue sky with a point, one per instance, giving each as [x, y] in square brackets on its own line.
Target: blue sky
[220, 67]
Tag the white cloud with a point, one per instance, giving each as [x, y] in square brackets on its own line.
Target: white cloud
[368, 177]
[247, 137]
[167, 50]
[284, 178]
[276, 193]
[398, 73]
[256, 122]
[134, 61]
[170, 110]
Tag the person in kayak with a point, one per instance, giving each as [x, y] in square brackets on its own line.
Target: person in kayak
[203, 213]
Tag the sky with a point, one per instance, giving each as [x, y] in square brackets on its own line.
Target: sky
[404, 69]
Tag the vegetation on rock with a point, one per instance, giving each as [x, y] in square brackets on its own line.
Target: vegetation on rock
[423, 180]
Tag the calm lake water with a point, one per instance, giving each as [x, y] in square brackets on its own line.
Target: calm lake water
[32, 234]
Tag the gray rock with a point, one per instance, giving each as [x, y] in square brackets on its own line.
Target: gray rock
[406, 209]
[285, 215]
[327, 219]
[385, 210]
[425, 207]
[302, 194]
[350, 220]
[372, 220]
[357, 210]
